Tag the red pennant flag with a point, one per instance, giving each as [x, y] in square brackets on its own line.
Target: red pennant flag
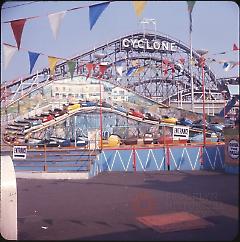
[102, 69]
[165, 66]
[90, 66]
[17, 28]
[182, 60]
[235, 47]
[173, 69]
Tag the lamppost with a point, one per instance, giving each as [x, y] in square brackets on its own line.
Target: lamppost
[202, 59]
[100, 102]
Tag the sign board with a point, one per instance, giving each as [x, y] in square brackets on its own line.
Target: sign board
[148, 45]
[233, 149]
[19, 152]
[94, 138]
[180, 132]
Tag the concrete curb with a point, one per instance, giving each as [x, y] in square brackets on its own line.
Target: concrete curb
[52, 175]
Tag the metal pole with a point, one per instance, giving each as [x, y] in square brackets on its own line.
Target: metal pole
[100, 114]
[203, 104]
[191, 75]
[75, 131]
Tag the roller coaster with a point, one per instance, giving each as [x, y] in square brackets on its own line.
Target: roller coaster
[161, 67]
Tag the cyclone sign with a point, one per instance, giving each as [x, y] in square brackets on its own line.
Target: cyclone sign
[150, 45]
[233, 149]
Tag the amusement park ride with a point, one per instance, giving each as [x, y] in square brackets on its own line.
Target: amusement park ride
[152, 70]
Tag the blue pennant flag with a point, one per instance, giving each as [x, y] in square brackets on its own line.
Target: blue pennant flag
[32, 58]
[95, 11]
[131, 70]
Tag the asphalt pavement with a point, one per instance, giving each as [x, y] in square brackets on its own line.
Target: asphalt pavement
[113, 206]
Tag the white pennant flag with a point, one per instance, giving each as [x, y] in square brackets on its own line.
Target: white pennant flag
[119, 70]
[55, 20]
[8, 53]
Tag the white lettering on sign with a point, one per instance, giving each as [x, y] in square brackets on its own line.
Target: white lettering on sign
[180, 132]
[233, 149]
[149, 44]
[19, 152]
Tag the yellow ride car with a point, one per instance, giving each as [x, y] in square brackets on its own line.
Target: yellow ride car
[166, 119]
[72, 106]
[113, 141]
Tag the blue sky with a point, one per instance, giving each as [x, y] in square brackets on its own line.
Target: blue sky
[215, 28]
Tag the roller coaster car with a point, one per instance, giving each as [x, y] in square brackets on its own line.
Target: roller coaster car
[57, 112]
[73, 106]
[198, 124]
[215, 127]
[167, 119]
[105, 104]
[184, 121]
[149, 116]
[212, 137]
[148, 138]
[135, 113]
[167, 139]
[45, 117]
[120, 109]
[130, 140]
[87, 104]
[34, 121]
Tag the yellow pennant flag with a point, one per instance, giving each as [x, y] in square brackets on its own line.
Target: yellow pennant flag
[139, 6]
[52, 63]
[140, 69]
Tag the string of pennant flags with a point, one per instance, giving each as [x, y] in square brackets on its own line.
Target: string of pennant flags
[95, 10]
[10, 50]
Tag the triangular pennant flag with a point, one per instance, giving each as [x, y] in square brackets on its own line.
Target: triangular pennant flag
[190, 5]
[134, 62]
[190, 8]
[138, 7]
[226, 66]
[90, 66]
[182, 60]
[55, 20]
[8, 53]
[32, 59]
[180, 67]
[131, 70]
[172, 67]
[95, 11]
[52, 63]
[140, 69]
[119, 70]
[165, 66]
[102, 69]
[235, 47]
[17, 28]
[71, 67]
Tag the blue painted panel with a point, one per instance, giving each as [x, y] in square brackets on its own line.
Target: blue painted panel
[116, 160]
[150, 159]
[213, 158]
[185, 158]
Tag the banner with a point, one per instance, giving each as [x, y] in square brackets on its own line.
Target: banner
[95, 11]
[17, 28]
[55, 21]
[139, 6]
[8, 53]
